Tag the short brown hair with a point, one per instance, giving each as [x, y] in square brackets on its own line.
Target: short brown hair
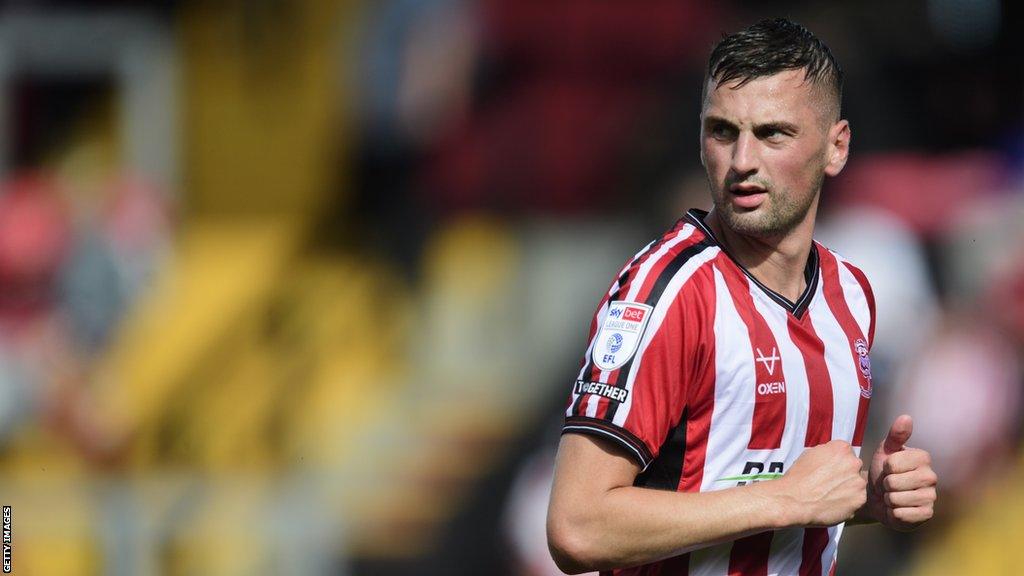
[773, 46]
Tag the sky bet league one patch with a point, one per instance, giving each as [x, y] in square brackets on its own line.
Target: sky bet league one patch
[620, 334]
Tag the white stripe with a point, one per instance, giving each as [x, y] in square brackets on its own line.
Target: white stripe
[684, 233]
[841, 368]
[854, 295]
[711, 561]
[787, 551]
[594, 401]
[828, 556]
[661, 308]
[733, 413]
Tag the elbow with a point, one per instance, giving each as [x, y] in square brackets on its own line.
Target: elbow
[570, 548]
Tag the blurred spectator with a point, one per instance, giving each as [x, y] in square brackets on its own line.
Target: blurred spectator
[72, 260]
[964, 391]
[566, 89]
[928, 193]
[119, 244]
[415, 80]
[417, 70]
[34, 243]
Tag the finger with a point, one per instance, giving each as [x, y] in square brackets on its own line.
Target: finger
[907, 460]
[910, 498]
[919, 478]
[840, 445]
[912, 514]
[898, 434]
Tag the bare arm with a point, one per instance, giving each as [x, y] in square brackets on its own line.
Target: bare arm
[598, 520]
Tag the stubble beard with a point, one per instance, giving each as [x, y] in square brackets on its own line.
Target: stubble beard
[777, 216]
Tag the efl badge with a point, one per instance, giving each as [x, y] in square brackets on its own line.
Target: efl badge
[620, 334]
[864, 363]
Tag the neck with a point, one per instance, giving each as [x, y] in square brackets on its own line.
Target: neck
[778, 262]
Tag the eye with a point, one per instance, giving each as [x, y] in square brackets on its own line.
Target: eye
[773, 134]
[722, 132]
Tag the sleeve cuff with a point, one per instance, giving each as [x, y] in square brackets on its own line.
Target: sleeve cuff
[604, 429]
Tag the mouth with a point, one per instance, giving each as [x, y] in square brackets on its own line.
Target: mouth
[748, 196]
[746, 189]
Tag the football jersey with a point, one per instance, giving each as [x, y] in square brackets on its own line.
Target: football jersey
[709, 380]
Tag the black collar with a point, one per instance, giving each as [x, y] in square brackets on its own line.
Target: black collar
[696, 217]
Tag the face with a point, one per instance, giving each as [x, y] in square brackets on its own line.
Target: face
[766, 147]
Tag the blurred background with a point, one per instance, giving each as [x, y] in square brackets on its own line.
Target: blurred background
[300, 287]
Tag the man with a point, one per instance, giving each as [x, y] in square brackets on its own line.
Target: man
[716, 423]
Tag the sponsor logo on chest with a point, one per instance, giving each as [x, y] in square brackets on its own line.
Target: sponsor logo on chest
[769, 382]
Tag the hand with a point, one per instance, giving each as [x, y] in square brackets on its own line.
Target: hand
[901, 482]
[824, 486]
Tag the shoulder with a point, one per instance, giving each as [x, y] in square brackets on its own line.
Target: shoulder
[847, 271]
[852, 284]
[666, 265]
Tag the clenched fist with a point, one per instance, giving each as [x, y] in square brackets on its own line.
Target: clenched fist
[824, 486]
[901, 482]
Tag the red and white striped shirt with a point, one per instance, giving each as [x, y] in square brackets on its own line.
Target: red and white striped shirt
[711, 380]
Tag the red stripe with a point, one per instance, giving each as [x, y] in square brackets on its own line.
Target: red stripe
[869, 295]
[749, 556]
[815, 541]
[701, 399]
[819, 383]
[769, 408]
[647, 284]
[841, 310]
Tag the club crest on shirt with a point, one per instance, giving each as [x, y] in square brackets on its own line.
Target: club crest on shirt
[620, 334]
[864, 363]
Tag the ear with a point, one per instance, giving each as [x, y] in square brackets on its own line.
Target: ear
[700, 138]
[838, 147]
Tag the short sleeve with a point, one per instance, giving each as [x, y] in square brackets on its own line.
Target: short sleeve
[633, 385]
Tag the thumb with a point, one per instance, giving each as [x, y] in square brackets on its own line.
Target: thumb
[898, 434]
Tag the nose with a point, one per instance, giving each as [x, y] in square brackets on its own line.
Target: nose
[744, 154]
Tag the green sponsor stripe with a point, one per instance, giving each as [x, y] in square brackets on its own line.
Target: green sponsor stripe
[765, 476]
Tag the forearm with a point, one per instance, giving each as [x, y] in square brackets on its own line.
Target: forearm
[629, 526]
[598, 520]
